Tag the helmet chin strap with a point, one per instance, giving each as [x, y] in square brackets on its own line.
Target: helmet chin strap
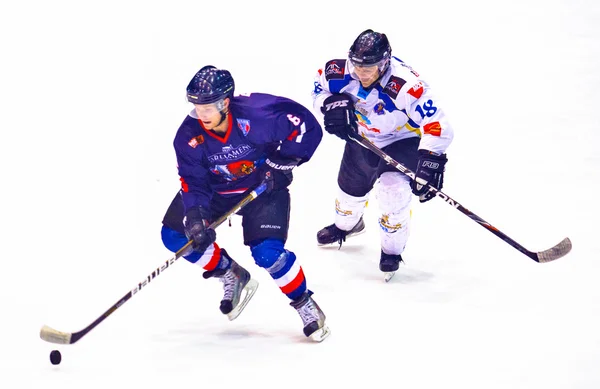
[224, 111]
[223, 117]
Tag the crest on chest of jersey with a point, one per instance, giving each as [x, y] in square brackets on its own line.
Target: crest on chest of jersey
[244, 126]
[334, 69]
[378, 108]
[234, 170]
[393, 86]
[241, 168]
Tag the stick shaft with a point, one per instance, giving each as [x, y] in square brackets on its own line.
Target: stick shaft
[53, 336]
[546, 256]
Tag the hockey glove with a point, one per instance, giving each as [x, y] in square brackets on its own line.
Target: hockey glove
[430, 171]
[277, 171]
[340, 119]
[196, 226]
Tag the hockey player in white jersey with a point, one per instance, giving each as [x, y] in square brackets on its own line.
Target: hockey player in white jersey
[375, 95]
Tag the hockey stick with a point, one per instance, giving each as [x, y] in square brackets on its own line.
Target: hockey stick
[53, 336]
[558, 251]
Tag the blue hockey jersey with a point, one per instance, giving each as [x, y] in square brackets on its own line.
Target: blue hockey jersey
[258, 125]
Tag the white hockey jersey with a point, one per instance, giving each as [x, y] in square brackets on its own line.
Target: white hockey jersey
[400, 105]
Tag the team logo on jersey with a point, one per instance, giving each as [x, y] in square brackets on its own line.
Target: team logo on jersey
[234, 170]
[229, 153]
[241, 168]
[393, 86]
[244, 125]
[196, 141]
[417, 90]
[433, 128]
[378, 108]
[334, 69]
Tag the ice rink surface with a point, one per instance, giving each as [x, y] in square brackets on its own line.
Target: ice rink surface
[92, 95]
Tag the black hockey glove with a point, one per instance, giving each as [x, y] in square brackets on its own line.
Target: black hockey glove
[277, 171]
[340, 119]
[430, 170]
[196, 228]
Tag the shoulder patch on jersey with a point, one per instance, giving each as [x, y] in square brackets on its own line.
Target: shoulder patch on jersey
[194, 142]
[434, 128]
[334, 69]
[417, 90]
[393, 86]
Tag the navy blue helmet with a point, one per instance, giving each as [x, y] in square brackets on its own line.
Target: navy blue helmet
[371, 48]
[210, 85]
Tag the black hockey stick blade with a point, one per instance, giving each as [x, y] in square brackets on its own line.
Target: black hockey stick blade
[51, 335]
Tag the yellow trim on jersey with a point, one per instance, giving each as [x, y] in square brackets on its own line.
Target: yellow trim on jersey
[410, 128]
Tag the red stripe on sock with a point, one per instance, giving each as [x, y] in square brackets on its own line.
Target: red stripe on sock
[292, 286]
[214, 260]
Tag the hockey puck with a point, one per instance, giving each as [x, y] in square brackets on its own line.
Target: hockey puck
[55, 357]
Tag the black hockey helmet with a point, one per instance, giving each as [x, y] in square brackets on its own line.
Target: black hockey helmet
[210, 85]
[371, 48]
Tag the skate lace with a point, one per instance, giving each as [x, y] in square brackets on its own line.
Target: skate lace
[308, 312]
[229, 280]
[339, 234]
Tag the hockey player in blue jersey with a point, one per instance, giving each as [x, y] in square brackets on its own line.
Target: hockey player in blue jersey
[375, 95]
[225, 148]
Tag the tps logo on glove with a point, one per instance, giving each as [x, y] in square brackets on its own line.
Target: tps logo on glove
[336, 104]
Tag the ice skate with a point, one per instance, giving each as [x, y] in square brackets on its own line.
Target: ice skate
[332, 234]
[312, 317]
[388, 264]
[238, 287]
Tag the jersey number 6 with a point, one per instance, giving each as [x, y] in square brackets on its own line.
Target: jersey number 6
[294, 119]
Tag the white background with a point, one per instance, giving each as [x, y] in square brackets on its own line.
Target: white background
[91, 97]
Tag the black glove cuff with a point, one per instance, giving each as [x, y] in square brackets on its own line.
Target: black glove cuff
[432, 155]
[196, 215]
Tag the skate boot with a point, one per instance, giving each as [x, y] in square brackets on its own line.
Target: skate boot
[389, 264]
[332, 234]
[312, 317]
[238, 287]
